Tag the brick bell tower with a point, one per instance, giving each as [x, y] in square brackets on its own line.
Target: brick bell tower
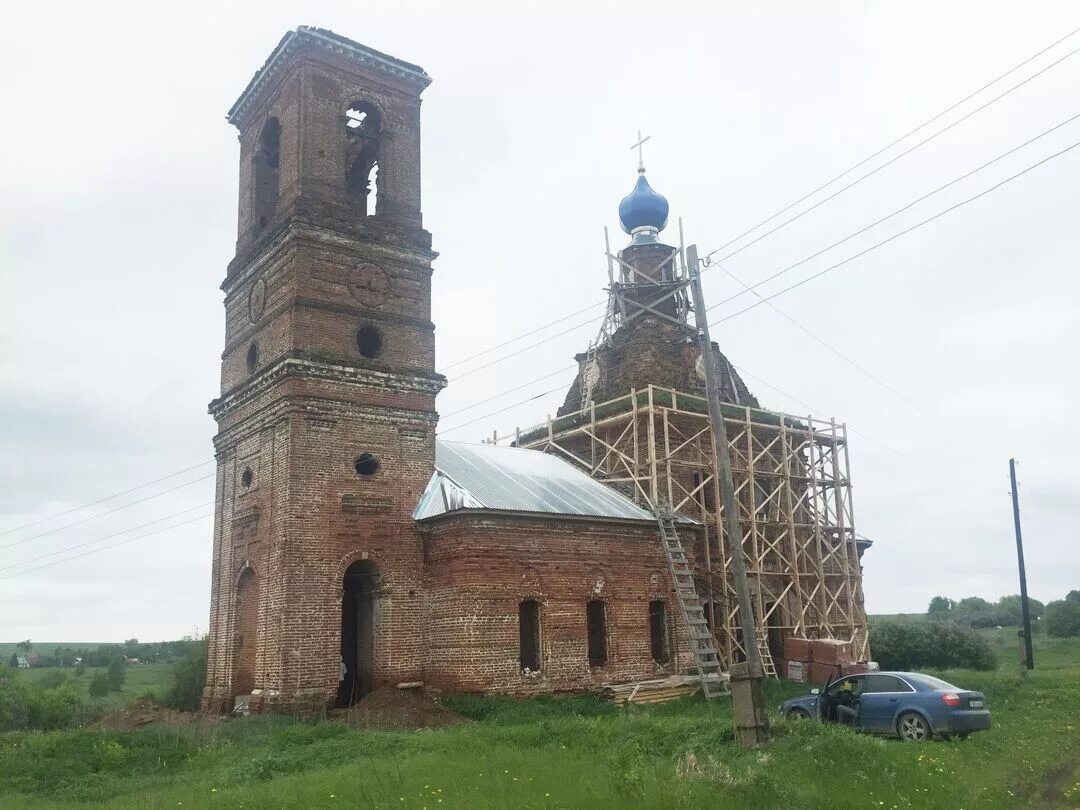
[326, 419]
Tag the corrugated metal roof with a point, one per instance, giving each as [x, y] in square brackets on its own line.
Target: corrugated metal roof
[472, 476]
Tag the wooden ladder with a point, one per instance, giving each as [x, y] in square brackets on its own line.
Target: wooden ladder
[767, 665]
[706, 659]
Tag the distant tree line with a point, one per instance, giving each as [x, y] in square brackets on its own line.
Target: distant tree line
[1060, 618]
[103, 655]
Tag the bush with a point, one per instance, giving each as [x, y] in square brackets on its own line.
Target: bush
[99, 685]
[14, 713]
[117, 674]
[1063, 617]
[52, 679]
[188, 679]
[938, 645]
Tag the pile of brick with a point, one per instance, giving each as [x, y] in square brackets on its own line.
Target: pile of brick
[819, 660]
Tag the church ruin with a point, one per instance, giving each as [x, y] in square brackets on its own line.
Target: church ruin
[354, 549]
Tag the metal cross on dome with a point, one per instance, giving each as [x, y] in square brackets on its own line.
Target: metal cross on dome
[640, 151]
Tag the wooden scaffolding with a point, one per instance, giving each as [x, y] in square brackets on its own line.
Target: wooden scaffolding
[795, 508]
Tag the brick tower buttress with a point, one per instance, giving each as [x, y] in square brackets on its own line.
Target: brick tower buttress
[326, 418]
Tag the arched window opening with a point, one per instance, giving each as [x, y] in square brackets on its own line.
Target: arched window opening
[267, 173]
[253, 357]
[596, 632]
[362, 132]
[529, 627]
[358, 631]
[246, 624]
[658, 631]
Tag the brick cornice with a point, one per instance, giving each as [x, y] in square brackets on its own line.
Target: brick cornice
[328, 41]
[404, 382]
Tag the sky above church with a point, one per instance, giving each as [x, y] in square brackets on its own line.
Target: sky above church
[119, 215]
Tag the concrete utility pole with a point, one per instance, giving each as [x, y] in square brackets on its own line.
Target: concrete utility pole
[747, 696]
[1029, 658]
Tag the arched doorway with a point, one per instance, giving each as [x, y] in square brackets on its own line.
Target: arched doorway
[358, 631]
[247, 622]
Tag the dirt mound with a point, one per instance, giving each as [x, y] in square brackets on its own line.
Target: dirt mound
[139, 714]
[393, 708]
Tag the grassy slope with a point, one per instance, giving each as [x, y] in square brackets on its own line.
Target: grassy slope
[575, 753]
[138, 679]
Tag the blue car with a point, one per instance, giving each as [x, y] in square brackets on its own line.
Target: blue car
[907, 705]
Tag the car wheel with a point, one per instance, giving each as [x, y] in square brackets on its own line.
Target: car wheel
[913, 727]
[799, 714]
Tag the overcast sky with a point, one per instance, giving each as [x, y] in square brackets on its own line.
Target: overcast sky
[119, 216]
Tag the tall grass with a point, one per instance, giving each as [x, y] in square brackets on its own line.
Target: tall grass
[572, 753]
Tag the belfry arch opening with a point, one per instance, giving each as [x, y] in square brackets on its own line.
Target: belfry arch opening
[267, 173]
[358, 631]
[362, 133]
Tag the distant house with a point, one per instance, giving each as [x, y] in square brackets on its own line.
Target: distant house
[33, 660]
[131, 660]
[23, 662]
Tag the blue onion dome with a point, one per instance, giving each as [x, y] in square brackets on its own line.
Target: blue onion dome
[643, 208]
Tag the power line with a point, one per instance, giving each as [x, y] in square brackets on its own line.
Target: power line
[767, 299]
[886, 241]
[106, 537]
[506, 408]
[103, 500]
[507, 392]
[801, 199]
[103, 514]
[893, 143]
[522, 336]
[106, 548]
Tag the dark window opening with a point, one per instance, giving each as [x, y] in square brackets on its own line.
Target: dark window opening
[366, 465]
[362, 132]
[358, 632]
[658, 631]
[596, 630]
[247, 478]
[706, 496]
[252, 357]
[529, 628]
[761, 497]
[267, 172]
[368, 341]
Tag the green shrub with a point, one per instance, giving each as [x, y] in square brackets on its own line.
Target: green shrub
[117, 674]
[937, 645]
[14, 712]
[99, 684]
[52, 679]
[1063, 617]
[188, 679]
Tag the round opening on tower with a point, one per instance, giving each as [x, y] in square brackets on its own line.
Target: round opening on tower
[366, 465]
[368, 341]
[252, 357]
[247, 478]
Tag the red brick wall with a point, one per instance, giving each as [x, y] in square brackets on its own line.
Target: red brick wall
[301, 287]
[480, 567]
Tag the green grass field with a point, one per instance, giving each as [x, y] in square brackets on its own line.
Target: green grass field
[138, 678]
[576, 753]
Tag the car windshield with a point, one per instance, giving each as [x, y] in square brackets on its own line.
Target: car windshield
[935, 683]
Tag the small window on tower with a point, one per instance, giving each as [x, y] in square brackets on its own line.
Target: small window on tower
[247, 478]
[252, 357]
[366, 465]
[368, 341]
[362, 131]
